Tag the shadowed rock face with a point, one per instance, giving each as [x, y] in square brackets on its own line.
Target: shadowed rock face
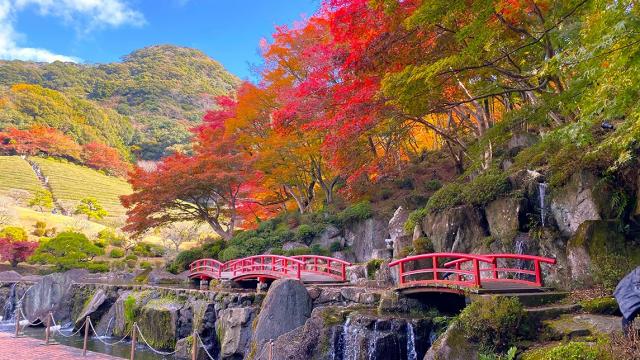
[286, 307]
[459, 229]
[51, 293]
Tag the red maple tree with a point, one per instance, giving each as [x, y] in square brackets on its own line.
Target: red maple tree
[16, 252]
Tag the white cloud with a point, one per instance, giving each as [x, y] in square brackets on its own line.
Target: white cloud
[84, 15]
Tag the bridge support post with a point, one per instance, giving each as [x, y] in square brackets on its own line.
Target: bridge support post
[204, 284]
[262, 285]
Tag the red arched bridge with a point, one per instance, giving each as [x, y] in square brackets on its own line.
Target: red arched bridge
[457, 272]
[440, 272]
[307, 268]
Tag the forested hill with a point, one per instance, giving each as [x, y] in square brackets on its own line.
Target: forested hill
[145, 103]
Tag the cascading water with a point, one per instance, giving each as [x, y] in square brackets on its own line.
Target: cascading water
[372, 342]
[10, 305]
[520, 248]
[350, 348]
[542, 189]
[411, 342]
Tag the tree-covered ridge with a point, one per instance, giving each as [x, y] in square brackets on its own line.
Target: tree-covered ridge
[162, 89]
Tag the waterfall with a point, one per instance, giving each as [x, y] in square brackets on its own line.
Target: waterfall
[337, 345]
[542, 189]
[350, 336]
[520, 248]
[411, 342]
[433, 336]
[10, 305]
[372, 342]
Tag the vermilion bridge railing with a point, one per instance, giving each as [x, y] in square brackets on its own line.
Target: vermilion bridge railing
[324, 265]
[206, 268]
[275, 266]
[468, 270]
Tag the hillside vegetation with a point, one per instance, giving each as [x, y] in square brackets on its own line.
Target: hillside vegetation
[17, 175]
[146, 102]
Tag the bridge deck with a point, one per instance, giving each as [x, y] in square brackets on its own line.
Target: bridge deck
[487, 287]
[305, 276]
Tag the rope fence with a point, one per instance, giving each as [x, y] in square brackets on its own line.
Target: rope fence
[133, 333]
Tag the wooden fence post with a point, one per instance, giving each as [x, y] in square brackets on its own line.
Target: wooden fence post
[17, 322]
[48, 329]
[134, 337]
[86, 336]
[194, 346]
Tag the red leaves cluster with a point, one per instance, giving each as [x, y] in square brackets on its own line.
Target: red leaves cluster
[16, 251]
[50, 141]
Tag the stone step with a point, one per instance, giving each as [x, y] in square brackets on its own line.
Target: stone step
[531, 299]
[542, 313]
[571, 326]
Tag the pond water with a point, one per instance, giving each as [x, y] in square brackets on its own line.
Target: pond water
[121, 350]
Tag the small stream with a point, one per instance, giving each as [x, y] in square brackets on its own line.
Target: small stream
[121, 350]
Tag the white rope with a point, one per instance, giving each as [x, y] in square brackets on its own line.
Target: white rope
[58, 329]
[24, 317]
[104, 342]
[204, 347]
[150, 347]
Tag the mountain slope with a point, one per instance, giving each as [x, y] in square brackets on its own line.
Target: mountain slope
[160, 91]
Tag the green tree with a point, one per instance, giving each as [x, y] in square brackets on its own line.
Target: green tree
[43, 199]
[91, 207]
[68, 250]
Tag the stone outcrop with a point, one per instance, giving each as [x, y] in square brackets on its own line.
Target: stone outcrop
[330, 235]
[286, 307]
[458, 229]
[577, 202]
[51, 293]
[505, 216]
[365, 236]
[159, 277]
[452, 345]
[234, 332]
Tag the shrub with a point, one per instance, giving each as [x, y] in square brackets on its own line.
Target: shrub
[479, 191]
[415, 218]
[116, 253]
[97, 266]
[570, 351]
[131, 257]
[492, 322]
[422, 245]
[118, 265]
[100, 243]
[277, 251]
[316, 249]
[609, 269]
[68, 250]
[145, 249]
[354, 213]
[40, 228]
[146, 265]
[16, 252]
[14, 233]
[372, 267]
[603, 305]
[131, 263]
[182, 261]
[109, 235]
[335, 246]
[433, 185]
[305, 234]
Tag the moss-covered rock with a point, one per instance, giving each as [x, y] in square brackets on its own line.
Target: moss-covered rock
[158, 321]
[602, 305]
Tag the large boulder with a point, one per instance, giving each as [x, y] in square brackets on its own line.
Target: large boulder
[234, 332]
[159, 276]
[458, 229]
[9, 276]
[286, 307]
[577, 202]
[452, 345]
[51, 293]
[397, 233]
[592, 240]
[159, 320]
[127, 306]
[96, 306]
[365, 236]
[505, 217]
[328, 236]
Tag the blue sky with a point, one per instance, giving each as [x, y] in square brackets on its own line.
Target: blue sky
[98, 31]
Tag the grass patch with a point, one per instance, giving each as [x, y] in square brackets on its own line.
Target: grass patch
[18, 174]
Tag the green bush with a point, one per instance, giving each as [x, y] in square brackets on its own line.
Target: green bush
[603, 305]
[131, 257]
[182, 261]
[14, 233]
[277, 251]
[415, 218]
[372, 267]
[68, 250]
[353, 214]
[40, 228]
[131, 264]
[145, 249]
[97, 266]
[335, 246]
[433, 185]
[116, 253]
[569, 351]
[118, 265]
[111, 237]
[100, 243]
[422, 245]
[479, 191]
[306, 233]
[492, 322]
[146, 265]
[609, 269]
